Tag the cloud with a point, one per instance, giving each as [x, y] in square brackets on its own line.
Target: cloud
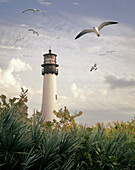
[3, 0]
[132, 92]
[115, 82]
[94, 49]
[8, 79]
[44, 2]
[62, 101]
[80, 93]
[17, 65]
[75, 3]
[10, 47]
[103, 92]
[77, 88]
[23, 25]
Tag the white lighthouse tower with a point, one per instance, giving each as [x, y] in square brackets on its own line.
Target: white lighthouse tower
[49, 98]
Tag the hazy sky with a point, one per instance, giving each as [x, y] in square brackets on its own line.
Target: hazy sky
[107, 94]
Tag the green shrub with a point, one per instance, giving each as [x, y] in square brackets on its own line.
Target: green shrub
[28, 143]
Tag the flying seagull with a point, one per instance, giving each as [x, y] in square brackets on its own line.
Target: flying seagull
[110, 51]
[19, 39]
[34, 32]
[102, 54]
[34, 10]
[94, 67]
[95, 29]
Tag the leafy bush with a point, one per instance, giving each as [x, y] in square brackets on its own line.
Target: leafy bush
[28, 143]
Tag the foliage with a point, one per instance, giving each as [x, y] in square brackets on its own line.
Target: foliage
[16, 102]
[66, 120]
[28, 143]
[128, 127]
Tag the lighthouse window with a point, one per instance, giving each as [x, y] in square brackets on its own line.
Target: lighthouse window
[56, 96]
[49, 60]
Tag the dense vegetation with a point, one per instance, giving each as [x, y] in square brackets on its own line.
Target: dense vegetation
[28, 143]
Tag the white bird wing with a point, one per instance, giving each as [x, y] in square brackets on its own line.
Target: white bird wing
[105, 24]
[27, 10]
[84, 32]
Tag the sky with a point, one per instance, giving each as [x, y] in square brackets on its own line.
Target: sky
[103, 95]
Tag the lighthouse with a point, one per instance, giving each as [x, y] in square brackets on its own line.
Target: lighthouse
[49, 98]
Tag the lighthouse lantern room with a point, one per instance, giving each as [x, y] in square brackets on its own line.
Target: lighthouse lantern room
[49, 98]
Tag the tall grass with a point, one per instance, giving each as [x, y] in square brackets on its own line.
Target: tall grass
[31, 145]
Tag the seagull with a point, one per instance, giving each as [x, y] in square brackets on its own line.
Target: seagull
[34, 32]
[110, 51]
[95, 29]
[94, 67]
[57, 26]
[102, 54]
[19, 39]
[34, 10]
